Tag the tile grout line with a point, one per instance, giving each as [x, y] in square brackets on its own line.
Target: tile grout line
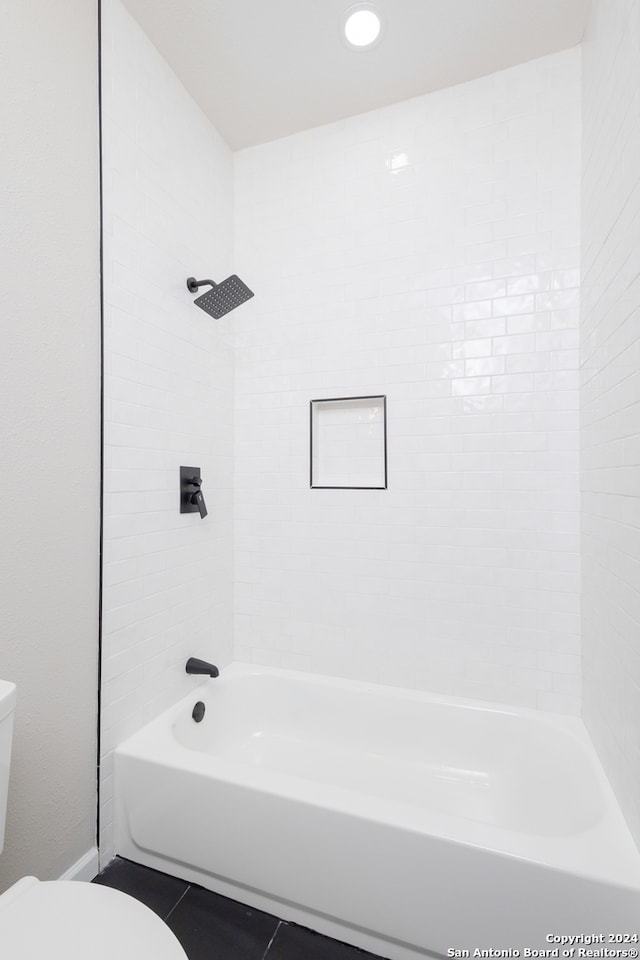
[177, 903]
[273, 936]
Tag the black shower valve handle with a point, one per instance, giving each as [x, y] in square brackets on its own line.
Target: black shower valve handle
[198, 499]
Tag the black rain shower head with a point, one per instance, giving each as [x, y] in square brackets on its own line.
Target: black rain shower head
[223, 297]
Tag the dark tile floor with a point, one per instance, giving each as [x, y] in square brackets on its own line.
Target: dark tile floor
[211, 927]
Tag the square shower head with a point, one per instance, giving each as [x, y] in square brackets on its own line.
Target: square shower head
[224, 297]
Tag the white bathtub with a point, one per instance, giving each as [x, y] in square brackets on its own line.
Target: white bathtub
[404, 823]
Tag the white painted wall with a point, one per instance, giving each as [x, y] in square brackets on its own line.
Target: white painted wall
[428, 251]
[50, 429]
[168, 578]
[610, 411]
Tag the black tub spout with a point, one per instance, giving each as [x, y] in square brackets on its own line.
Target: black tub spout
[201, 667]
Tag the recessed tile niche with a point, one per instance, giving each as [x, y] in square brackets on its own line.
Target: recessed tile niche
[349, 443]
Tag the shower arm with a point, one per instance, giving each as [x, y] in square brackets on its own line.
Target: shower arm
[193, 284]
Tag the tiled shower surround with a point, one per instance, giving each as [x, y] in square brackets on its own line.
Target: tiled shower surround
[168, 578]
[428, 251]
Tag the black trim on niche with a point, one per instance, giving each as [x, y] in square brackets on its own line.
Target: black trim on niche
[375, 396]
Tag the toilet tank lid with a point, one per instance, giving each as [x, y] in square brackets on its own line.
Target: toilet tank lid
[7, 698]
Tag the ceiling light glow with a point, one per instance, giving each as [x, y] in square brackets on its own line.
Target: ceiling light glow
[362, 26]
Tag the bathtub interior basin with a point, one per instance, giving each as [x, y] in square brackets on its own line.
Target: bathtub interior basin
[465, 761]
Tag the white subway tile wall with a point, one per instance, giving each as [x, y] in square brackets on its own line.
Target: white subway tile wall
[168, 578]
[428, 251]
[610, 381]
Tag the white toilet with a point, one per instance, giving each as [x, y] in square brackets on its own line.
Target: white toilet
[64, 920]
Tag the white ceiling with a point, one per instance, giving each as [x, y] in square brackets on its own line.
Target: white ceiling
[263, 69]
